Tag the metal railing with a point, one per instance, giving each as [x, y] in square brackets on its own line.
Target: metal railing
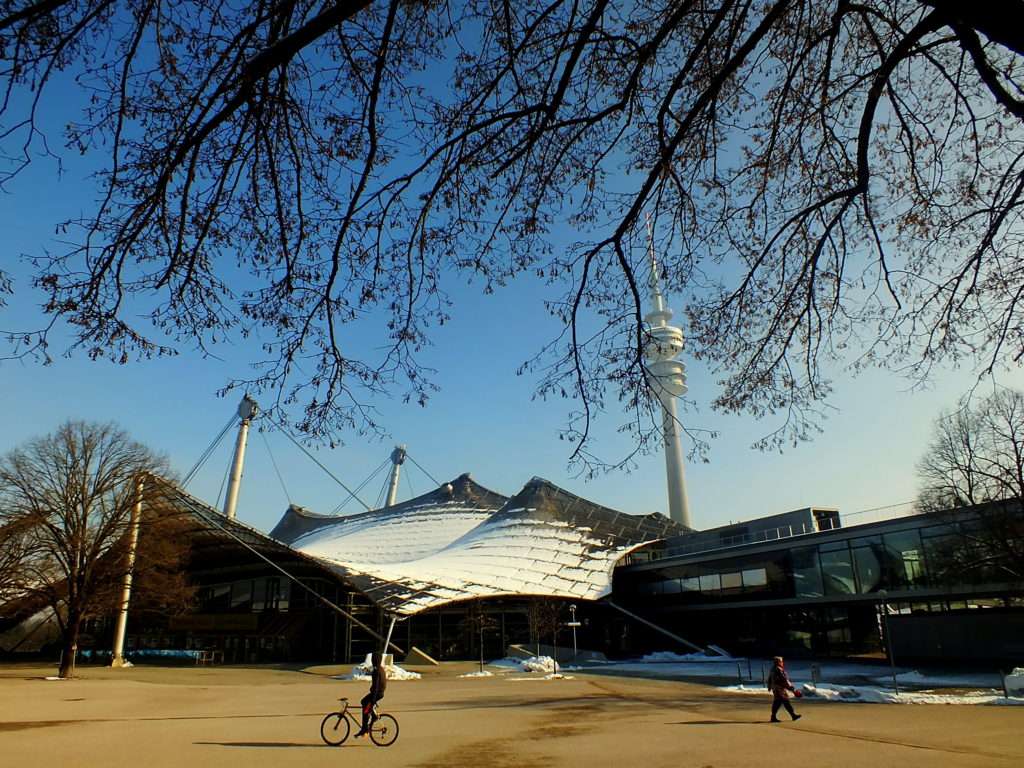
[854, 519]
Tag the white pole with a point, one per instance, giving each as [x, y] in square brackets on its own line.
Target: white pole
[247, 410]
[397, 459]
[575, 650]
[117, 657]
[675, 471]
[387, 642]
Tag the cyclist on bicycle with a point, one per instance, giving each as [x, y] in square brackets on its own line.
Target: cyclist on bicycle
[378, 682]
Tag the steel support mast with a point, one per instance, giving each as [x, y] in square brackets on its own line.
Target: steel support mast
[247, 411]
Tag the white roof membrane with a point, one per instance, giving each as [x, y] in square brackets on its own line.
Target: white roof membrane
[461, 542]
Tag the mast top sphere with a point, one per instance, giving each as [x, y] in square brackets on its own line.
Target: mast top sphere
[248, 409]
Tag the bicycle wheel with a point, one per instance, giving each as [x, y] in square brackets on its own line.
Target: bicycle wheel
[384, 731]
[334, 729]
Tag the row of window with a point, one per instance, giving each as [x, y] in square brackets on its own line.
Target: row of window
[897, 561]
[263, 594]
[735, 581]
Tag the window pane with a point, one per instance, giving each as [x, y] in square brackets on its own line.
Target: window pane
[869, 570]
[273, 593]
[942, 555]
[904, 560]
[241, 595]
[837, 573]
[670, 586]
[690, 585]
[732, 580]
[756, 577]
[710, 583]
[806, 573]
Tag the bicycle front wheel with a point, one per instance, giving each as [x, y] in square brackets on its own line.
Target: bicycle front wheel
[334, 729]
[384, 731]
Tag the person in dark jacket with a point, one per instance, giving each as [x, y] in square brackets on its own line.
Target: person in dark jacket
[378, 683]
[781, 687]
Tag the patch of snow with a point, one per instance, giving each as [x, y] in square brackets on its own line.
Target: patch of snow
[1014, 682]
[54, 677]
[485, 673]
[394, 672]
[539, 664]
[661, 657]
[871, 695]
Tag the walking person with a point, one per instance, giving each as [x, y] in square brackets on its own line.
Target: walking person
[378, 683]
[781, 687]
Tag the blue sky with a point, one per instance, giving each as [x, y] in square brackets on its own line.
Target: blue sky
[483, 420]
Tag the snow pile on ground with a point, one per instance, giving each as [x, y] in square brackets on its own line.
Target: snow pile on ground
[1014, 682]
[871, 695]
[662, 657]
[539, 664]
[394, 672]
[484, 673]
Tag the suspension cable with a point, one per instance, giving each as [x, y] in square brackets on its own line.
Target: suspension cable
[280, 479]
[382, 494]
[421, 469]
[316, 461]
[337, 509]
[209, 451]
[223, 482]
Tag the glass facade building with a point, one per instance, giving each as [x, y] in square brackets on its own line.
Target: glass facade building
[822, 592]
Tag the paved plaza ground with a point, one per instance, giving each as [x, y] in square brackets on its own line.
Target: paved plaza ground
[153, 717]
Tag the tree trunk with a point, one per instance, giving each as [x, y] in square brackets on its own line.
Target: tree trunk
[67, 657]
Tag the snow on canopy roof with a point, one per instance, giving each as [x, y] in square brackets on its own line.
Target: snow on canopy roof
[403, 532]
[425, 553]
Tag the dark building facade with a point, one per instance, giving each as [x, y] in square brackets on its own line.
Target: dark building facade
[947, 584]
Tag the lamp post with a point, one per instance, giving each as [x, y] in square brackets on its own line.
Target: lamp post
[574, 624]
[888, 639]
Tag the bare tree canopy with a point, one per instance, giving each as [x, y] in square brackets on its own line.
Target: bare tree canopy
[70, 495]
[976, 459]
[976, 454]
[832, 184]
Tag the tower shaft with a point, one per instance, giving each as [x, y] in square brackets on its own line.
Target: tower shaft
[667, 377]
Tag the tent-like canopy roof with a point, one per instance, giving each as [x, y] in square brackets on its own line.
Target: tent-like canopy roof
[463, 541]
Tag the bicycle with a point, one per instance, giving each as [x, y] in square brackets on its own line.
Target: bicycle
[336, 726]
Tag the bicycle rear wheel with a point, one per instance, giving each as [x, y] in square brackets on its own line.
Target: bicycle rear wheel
[384, 731]
[334, 729]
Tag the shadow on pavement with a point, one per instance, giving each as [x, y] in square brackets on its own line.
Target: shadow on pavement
[720, 722]
[261, 744]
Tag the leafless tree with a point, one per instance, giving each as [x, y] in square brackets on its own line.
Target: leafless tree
[72, 494]
[976, 459]
[12, 555]
[833, 184]
[976, 454]
[477, 623]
